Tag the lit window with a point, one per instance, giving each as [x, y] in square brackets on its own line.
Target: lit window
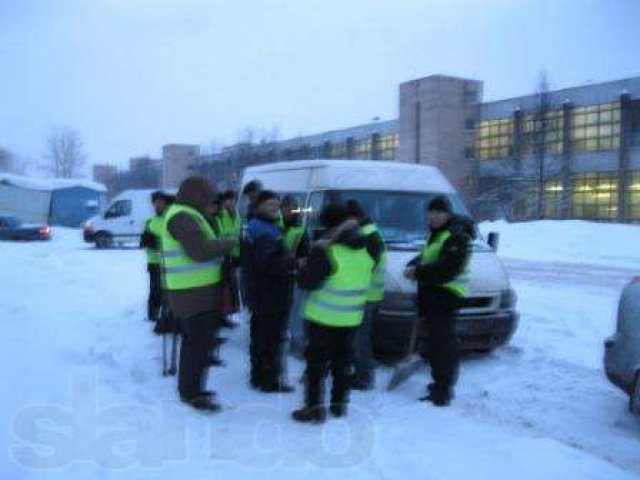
[633, 196]
[543, 131]
[596, 127]
[494, 138]
[595, 196]
[553, 199]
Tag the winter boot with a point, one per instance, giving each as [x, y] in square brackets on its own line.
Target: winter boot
[204, 403]
[360, 383]
[338, 410]
[315, 414]
[440, 397]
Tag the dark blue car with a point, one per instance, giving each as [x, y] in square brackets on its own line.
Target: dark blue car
[11, 228]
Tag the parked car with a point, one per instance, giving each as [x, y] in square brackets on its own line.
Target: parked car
[622, 349]
[395, 196]
[12, 228]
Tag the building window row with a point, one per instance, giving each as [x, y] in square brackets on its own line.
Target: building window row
[594, 196]
[495, 138]
[592, 128]
[596, 127]
[634, 196]
[363, 149]
[389, 146]
[543, 131]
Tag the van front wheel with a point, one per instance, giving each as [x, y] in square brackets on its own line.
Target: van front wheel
[103, 240]
[634, 398]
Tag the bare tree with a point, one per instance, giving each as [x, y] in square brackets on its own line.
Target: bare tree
[65, 156]
[541, 128]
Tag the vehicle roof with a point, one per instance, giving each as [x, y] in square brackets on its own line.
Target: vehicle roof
[142, 192]
[361, 174]
[49, 184]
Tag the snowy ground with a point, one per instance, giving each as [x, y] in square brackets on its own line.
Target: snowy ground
[82, 395]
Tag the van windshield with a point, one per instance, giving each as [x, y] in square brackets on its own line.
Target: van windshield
[400, 216]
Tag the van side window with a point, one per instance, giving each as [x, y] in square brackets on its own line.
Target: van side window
[121, 208]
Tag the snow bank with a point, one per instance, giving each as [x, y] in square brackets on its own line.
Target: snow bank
[83, 396]
[569, 241]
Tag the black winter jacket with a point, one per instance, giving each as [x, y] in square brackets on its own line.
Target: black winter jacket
[454, 255]
[267, 266]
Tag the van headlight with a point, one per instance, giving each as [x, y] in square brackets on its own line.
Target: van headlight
[508, 298]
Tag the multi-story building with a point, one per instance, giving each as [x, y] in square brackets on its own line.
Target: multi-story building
[178, 162]
[571, 153]
[567, 153]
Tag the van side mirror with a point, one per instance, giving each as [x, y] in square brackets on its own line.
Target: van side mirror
[493, 240]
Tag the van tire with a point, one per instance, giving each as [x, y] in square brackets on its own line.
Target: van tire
[103, 240]
[634, 397]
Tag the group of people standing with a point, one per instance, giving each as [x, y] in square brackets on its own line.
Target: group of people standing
[329, 285]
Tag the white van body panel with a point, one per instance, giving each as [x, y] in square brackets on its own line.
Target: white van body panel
[126, 228]
[487, 318]
[348, 175]
[488, 276]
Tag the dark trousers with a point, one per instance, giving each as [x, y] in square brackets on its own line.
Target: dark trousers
[197, 339]
[267, 335]
[363, 346]
[155, 292]
[329, 349]
[442, 343]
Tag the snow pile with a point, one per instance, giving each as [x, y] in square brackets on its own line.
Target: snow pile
[569, 241]
[83, 396]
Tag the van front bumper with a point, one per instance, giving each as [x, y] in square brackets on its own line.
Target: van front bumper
[482, 331]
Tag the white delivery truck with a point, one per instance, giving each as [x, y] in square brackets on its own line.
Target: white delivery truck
[395, 195]
[123, 220]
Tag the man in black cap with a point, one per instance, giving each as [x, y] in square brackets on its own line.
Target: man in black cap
[251, 191]
[441, 271]
[268, 268]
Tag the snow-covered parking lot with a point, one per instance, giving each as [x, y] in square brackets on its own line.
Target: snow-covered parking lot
[82, 395]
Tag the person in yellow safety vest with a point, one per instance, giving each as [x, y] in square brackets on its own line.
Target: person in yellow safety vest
[231, 227]
[296, 239]
[149, 240]
[338, 275]
[441, 271]
[214, 357]
[192, 258]
[364, 365]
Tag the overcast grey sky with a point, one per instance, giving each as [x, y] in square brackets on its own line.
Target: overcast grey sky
[131, 75]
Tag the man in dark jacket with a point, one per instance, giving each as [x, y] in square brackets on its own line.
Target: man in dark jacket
[269, 269]
[363, 362]
[442, 276]
[338, 274]
[192, 256]
[149, 240]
